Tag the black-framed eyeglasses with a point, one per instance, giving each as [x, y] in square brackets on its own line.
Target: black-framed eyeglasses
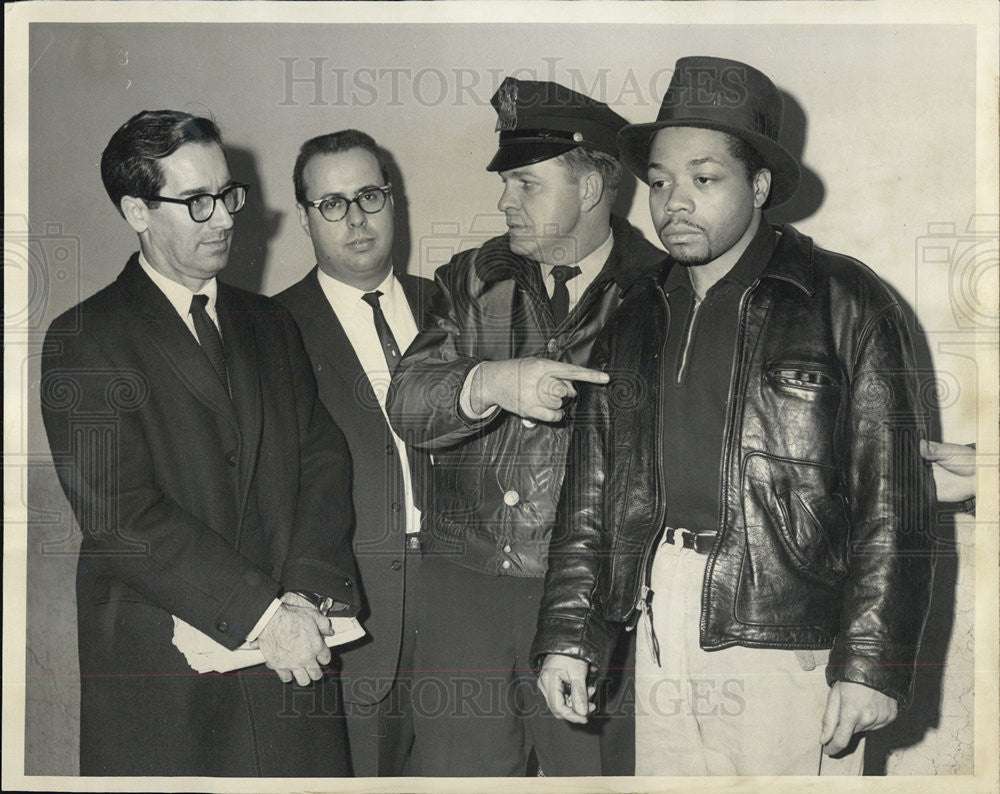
[201, 207]
[370, 200]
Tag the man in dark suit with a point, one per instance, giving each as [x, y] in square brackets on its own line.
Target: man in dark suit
[208, 481]
[356, 318]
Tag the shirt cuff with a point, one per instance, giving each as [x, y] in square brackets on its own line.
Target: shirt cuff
[264, 620]
[465, 398]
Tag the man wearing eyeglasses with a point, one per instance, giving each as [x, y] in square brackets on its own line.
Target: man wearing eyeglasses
[209, 483]
[356, 318]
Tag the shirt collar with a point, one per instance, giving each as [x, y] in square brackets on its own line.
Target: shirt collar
[346, 297]
[179, 295]
[750, 264]
[592, 263]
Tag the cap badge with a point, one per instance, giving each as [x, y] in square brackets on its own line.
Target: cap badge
[507, 112]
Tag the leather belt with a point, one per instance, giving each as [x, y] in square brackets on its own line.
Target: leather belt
[701, 542]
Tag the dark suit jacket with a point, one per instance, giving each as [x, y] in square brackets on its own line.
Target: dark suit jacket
[194, 505]
[369, 667]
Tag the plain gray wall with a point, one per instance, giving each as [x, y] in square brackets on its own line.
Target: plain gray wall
[882, 116]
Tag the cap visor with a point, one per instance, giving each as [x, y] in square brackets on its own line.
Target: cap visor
[517, 153]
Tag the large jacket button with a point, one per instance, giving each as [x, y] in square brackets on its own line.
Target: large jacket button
[231, 458]
[395, 565]
[511, 498]
[552, 346]
[506, 549]
[222, 626]
[505, 564]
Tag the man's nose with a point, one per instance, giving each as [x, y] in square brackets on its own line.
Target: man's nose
[508, 199]
[221, 218]
[677, 200]
[355, 215]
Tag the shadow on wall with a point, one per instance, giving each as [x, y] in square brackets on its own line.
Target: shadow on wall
[256, 225]
[925, 711]
[809, 197]
[402, 243]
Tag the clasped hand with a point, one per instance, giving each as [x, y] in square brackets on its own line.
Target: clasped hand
[292, 641]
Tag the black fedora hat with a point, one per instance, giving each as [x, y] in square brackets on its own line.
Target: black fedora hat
[540, 120]
[723, 95]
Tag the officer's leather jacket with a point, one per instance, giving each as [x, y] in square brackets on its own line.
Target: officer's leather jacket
[824, 536]
[497, 480]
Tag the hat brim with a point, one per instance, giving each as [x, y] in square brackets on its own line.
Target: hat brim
[521, 153]
[634, 140]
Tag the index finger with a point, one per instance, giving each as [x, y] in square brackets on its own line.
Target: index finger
[574, 372]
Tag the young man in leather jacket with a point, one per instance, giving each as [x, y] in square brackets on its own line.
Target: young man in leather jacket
[756, 501]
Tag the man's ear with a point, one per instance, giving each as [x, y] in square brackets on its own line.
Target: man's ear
[761, 187]
[136, 212]
[591, 191]
[303, 219]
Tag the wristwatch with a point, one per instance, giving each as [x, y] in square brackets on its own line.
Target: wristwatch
[323, 603]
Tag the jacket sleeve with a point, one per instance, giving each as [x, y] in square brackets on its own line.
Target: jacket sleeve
[570, 618]
[887, 592]
[320, 559]
[422, 402]
[91, 406]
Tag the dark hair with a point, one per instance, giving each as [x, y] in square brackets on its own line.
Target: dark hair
[581, 160]
[746, 154]
[332, 143]
[129, 165]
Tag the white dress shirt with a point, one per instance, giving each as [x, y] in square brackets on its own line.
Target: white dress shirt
[358, 321]
[180, 296]
[589, 266]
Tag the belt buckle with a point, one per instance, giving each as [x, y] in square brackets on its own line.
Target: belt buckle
[697, 538]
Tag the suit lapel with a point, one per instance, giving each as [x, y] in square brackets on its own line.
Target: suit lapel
[243, 361]
[413, 289]
[173, 339]
[326, 337]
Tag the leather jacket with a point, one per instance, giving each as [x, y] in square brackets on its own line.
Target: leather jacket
[497, 480]
[824, 538]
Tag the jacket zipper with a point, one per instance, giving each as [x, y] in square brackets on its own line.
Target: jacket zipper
[731, 414]
[642, 599]
[687, 340]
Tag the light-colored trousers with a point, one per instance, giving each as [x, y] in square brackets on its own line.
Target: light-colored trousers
[738, 711]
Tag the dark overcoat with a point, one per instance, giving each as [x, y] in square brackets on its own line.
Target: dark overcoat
[194, 504]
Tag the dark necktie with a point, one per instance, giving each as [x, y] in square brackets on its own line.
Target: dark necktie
[389, 347]
[560, 295]
[209, 338]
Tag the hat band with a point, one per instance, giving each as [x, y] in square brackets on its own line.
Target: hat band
[745, 119]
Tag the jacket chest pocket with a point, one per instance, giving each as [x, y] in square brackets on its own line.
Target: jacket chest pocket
[804, 380]
[801, 405]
